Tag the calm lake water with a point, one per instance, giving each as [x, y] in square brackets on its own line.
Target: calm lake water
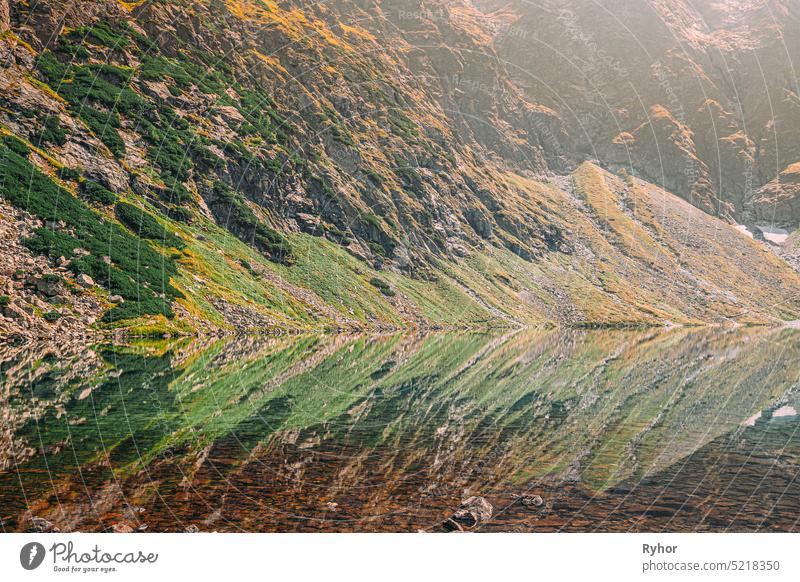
[559, 431]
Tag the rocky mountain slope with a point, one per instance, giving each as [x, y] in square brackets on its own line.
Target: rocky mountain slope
[700, 97]
[174, 167]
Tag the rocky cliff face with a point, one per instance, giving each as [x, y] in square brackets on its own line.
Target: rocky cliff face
[252, 163]
[5, 15]
[697, 96]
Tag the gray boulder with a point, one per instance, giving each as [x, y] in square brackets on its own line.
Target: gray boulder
[472, 512]
[84, 280]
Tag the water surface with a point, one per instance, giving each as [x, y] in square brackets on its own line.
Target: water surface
[614, 430]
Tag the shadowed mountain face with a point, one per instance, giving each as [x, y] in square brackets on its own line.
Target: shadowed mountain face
[700, 97]
[570, 431]
[174, 166]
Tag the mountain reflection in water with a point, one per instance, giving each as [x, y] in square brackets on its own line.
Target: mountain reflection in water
[614, 430]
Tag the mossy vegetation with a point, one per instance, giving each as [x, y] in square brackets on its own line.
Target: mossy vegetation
[101, 33]
[184, 73]
[262, 117]
[382, 286]
[15, 145]
[104, 125]
[377, 248]
[401, 124]
[68, 174]
[239, 146]
[137, 272]
[145, 225]
[234, 213]
[371, 219]
[97, 193]
[336, 126]
[52, 133]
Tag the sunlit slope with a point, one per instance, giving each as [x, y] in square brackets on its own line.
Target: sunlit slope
[268, 166]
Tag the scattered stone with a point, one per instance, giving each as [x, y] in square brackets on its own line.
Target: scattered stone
[14, 312]
[35, 290]
[192, 529]
[48, 286]
[116, 299]
[308, 222]
[84, 280]
[531, 501]
[42, 525]
[122, 528]
[473, 511]
[5, 16]
[38, 303]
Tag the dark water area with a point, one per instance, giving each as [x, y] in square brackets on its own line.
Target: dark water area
[679, 430]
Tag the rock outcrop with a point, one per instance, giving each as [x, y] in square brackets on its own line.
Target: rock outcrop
[694, 96]
[5, 16]
[778, 202]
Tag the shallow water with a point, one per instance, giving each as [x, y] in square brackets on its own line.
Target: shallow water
[614, 430]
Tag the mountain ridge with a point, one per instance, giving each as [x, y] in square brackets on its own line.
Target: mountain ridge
[348, 165]
[699, 97]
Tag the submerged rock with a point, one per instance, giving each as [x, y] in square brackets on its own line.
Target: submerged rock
[40, 524]
[531, 501]
[472, 512]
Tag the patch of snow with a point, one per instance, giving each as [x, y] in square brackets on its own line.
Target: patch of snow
[752, 420]
[744, 230]
[774, 235]
[784, 411]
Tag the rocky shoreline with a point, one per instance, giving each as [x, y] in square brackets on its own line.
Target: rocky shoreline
[38, 300]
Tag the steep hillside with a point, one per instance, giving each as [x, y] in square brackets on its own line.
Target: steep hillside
[701, 97]
[176, 166]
